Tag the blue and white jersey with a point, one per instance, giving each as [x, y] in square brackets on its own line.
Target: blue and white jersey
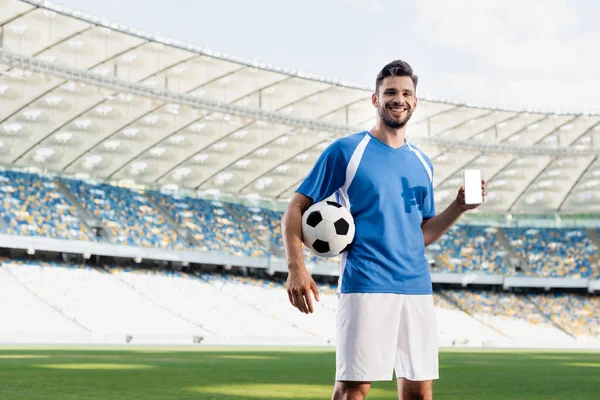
[389, 193]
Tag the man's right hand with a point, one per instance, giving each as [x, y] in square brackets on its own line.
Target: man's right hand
[299, 286]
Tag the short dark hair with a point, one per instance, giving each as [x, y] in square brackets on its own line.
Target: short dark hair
[396, 68]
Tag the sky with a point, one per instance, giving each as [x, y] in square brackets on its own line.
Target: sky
[506, 53]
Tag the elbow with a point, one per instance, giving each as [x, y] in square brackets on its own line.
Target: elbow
[428, 239]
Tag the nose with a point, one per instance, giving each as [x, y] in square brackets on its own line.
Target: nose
[399, 100]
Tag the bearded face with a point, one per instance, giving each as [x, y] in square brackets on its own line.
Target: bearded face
[395, 114]
[396, 101]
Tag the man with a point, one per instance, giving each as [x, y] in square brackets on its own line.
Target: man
[385, 318]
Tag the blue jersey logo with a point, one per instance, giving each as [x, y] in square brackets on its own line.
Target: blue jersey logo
[413, 196]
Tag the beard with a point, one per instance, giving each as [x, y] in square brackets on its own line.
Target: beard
[394, 123]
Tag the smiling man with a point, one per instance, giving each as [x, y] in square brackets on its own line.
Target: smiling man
[385, 314]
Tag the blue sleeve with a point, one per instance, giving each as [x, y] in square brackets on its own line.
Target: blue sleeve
[429, 201]
[327, 175]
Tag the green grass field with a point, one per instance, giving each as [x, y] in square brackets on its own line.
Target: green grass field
[165, 373]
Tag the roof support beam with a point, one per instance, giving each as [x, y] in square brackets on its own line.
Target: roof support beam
[575, 183]
[275, 117]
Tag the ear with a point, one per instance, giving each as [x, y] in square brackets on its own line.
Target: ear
[416, 103]
[375, 100]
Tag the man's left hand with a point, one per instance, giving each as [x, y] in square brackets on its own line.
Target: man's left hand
[460, 197]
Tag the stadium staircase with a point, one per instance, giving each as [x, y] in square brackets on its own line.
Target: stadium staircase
[93, 224]
[265, 243]
[511, 258]
[441, 263]
[505, 242]
[470, 313]
[3, 225]
[185, 233]
[9, 274]
[526, 299]
[595, 262]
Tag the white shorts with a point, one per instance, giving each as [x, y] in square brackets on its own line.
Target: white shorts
[378, 333]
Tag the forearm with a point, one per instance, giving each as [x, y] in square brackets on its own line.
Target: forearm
[291, 230]
[434, 228]
[299, 283]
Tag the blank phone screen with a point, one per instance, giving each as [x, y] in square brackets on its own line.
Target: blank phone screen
[472, 185]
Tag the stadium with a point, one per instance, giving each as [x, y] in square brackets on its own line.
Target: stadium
[143, 186]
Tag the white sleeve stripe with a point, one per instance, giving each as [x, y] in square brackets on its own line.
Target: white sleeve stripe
[343, 192]
[418, 153]
[352, 168]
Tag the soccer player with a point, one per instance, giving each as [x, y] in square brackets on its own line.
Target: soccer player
[385, 318]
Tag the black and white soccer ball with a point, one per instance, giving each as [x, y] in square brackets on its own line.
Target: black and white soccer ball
[327, 228]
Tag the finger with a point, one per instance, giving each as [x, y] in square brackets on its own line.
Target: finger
[300, 303]
[296, 300]
[315, 291]
[291, 297]
[308, 301]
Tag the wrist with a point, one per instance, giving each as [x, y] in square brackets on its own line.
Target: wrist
[295, 266]
[458, 207]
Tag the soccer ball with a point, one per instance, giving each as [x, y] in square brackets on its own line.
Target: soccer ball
[327, 228]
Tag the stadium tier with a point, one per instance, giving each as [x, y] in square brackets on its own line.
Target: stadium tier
[511, 315]
[554, 252]
[44, 301]
[472, 248]
[33, 205]
[212, 225]
[577, 314]
[126, 214]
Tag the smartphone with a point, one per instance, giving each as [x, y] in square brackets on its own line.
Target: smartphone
[472, 183]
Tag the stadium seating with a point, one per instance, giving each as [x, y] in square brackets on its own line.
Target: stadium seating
[553, 252]
[32, 205]
[271, 299]
[212, 225]
[513, 316]
[577, 314]
[22, 313]
[96, 300]
[466, 248]
[456, 327]
[54, 301]
[126, 214]
[265, 223]
[226, 308]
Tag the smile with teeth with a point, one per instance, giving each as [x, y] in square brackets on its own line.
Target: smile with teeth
[397, 109]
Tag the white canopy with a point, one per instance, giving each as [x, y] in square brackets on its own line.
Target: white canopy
[82, 95]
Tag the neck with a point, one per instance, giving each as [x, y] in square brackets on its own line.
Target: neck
[390, 136]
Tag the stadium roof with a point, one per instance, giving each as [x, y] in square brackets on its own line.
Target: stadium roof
[82, 95]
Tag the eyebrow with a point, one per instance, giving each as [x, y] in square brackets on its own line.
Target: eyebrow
[395, 90]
